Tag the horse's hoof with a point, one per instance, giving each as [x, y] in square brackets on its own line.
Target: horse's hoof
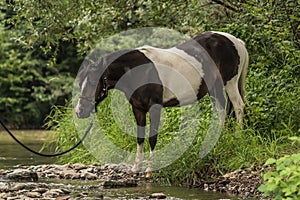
[136, 169]
[149, 174]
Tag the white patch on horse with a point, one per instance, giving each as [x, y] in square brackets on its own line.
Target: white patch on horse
[83, 84]
[139, 157]
[180, 73]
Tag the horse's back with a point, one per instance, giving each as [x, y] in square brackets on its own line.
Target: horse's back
[183, 68]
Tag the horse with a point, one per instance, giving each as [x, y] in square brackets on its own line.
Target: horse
[150, 79]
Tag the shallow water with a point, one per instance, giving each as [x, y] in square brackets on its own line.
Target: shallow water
[12, 154]
[170, 191]
[145, 190]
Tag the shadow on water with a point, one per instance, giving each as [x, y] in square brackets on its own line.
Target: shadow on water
[12, 154]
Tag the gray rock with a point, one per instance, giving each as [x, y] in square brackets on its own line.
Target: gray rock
[23, 175]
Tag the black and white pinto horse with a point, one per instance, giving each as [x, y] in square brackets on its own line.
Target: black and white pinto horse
[147, 89]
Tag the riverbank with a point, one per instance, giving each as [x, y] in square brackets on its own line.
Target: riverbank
[65, 182]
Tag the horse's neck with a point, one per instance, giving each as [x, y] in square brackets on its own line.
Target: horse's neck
[114, 73]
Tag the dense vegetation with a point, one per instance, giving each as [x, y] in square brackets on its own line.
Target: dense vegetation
[43, 43]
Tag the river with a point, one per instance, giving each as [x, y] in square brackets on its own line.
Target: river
[11, 155]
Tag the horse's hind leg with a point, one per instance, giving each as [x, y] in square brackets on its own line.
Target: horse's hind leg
[154, 124]
[236, 99]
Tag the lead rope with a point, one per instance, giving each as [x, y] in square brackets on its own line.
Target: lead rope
[50, 155]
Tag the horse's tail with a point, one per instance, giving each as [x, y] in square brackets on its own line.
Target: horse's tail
[244, 62]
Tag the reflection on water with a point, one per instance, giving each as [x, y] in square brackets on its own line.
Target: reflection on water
[11, 153]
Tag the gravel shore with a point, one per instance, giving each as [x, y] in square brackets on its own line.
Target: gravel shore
[53, 182]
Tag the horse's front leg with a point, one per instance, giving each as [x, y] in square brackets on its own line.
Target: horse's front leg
[154, 124]
[140, 117]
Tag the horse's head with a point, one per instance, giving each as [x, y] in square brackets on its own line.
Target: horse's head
[93, 89]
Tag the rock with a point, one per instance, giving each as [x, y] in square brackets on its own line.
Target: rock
[63, 197]
[3, 195]
[88, 176]
[3, 187]
[33, 194]
[16, 197]
[17, 186]
[40, 190]
[65, 191]
[99, 196]
[78, 166]
[69, 174]
[23, 175]
[158, 196]
[52, 193]
[119, 183]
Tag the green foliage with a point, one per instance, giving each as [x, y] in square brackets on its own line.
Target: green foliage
[30, 83]
[284, 181]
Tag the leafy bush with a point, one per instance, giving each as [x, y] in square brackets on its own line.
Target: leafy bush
[284, 181]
